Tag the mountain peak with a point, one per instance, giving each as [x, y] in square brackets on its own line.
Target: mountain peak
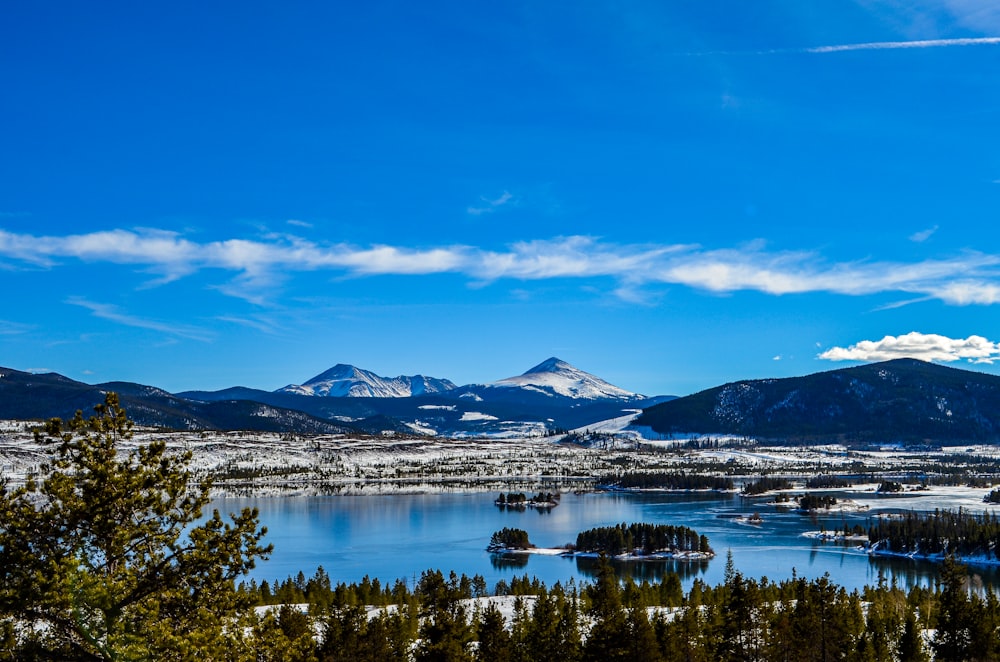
[551, 364]
[555, 376]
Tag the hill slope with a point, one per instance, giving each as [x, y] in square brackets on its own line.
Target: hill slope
[900, 400]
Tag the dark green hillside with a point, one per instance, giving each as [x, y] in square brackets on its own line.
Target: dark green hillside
[900, 400]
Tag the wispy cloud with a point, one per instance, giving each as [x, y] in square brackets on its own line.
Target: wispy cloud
[262, 325]
[258, 266]
[923, 235]
[915, 345]
[299, 224]
[113, 314]
[13, 328]
[489, 206]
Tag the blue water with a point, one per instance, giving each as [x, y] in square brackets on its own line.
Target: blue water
[399, 536]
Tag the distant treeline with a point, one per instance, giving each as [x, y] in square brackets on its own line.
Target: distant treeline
[766, 484]
[649, 538]
[664, 480]
[958, 533]
[825, 481]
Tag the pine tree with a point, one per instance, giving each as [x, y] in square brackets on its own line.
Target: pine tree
[103, 557]
[494, 639]
[608, 638]
[953, 638]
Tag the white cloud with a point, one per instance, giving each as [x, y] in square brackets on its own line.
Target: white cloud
[923, 235]
[257, 266]
[490, 206]
[915, 345]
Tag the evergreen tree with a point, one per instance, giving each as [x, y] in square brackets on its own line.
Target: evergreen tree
[911, 644]
[101, 558]
[608, 638]
[954, 633]
[494, 640]
[445, 632]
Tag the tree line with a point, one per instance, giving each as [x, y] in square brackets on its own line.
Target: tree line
[807, 620]
[943, 532]
[664, 480]
[766, 484]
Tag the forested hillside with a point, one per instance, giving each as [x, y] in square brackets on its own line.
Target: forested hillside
[900, 400]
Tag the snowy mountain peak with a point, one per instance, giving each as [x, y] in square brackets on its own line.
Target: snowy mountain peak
[343, 380]
[551, 364]
[556, 376]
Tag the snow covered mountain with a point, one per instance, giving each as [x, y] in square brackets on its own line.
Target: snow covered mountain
[556, 377]
[349, 381]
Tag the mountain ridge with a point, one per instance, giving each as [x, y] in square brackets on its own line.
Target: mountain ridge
[552, 377]
[345, 380]
[904, 400]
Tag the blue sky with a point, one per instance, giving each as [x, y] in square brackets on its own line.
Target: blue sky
[668, 195]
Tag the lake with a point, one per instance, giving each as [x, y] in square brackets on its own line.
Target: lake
[399, 536]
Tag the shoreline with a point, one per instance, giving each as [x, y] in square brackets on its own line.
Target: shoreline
[567, 553]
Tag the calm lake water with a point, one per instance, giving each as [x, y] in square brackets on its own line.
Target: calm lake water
[400, 536]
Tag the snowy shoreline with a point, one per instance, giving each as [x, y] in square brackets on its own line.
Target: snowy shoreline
[568, 553]
[936, 558]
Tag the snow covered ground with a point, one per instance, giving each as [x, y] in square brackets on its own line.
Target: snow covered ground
[271, 463]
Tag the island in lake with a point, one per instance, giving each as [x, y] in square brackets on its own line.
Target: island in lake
[625, 542]
[520, 501]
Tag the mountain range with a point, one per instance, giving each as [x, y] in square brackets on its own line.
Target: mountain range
[345, 398]
[903, 400]
[552, 377]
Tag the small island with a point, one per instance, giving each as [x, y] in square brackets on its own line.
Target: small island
[624, 542]
[890, 487]
[520, 501]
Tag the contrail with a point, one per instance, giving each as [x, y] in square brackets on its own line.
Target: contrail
[869, 46]
[888, 45]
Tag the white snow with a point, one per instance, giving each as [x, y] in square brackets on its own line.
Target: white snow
[477, 416]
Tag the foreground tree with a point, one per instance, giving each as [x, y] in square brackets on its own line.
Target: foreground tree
[103, 557]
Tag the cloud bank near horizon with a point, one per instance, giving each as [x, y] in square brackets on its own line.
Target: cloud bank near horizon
[915, 345]
[256, 265]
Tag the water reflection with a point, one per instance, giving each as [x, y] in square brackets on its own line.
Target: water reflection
[509, 561]
[651, 571]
